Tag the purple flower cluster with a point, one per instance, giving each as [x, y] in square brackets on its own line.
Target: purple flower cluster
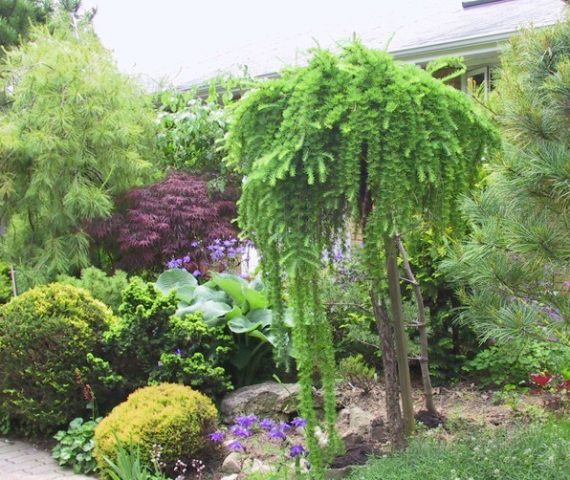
[175, 263]
[220, 249]
[217, 436]
[247, 426]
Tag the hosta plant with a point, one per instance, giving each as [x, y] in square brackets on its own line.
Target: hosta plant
[75, 446]
[227, 299]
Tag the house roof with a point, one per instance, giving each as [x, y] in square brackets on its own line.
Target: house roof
[415, 31]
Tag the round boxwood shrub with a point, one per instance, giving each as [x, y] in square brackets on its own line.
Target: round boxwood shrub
[50, 339]
[172, 417]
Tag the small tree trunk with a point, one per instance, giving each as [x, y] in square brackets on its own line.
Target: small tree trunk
[393, 411]
[399, 334]
[422, 328]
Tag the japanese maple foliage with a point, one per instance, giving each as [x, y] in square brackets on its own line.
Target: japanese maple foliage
[160, 221]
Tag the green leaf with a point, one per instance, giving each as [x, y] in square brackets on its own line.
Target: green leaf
[242, 325]
[263, 316]
[174, 279]
[235, 312]
[204, 293]
[186, 293]
[260, 336]
[210, 310]
[75, 423]
[255, 299]
[233, 285]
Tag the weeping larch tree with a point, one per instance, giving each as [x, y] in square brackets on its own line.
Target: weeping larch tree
[351, 139]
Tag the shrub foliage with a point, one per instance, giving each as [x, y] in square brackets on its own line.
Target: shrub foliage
[350, 137]
[161, 221]
[513, 271]
[173, 417]
[148, 342]
[48, 337]
[77, 133]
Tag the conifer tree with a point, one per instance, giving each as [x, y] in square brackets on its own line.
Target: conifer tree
[16, 17]
[350, 139]
[514, 271]
[78, 132]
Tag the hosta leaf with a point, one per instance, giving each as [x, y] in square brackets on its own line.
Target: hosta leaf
[186, 293]
[263, 316]
[255, 299]
[204, 293]
[242, 325]
[210, 310]
[174, 279]
[233, 285]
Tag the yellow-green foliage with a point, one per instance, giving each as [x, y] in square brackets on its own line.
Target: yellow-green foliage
[5, 284]
[357, 139]
[172, 416]
[77, 133]
[46, 337]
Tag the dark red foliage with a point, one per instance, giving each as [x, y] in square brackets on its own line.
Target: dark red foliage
[160, 221]
[541, 379]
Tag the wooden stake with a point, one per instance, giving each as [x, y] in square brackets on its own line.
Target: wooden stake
[399, 334]
[13, 279]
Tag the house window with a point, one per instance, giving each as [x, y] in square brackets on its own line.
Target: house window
[478, 81]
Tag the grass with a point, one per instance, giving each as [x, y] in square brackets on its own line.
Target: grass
[540, 451]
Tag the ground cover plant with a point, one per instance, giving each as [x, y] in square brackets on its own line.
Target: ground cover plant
[75, 446]
[279, 442]
[525, 453]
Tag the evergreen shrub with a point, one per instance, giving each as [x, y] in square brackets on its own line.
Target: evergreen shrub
[105, 288]
[149, 342]
[50, 338]
[169, 418]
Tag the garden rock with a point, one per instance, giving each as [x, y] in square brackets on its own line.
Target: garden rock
[268, 399]
[232, 463]
[338, 473]
[357, 427]
[233, 476]
[259, 467]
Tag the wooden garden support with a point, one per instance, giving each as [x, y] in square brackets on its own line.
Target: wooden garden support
[422, 328]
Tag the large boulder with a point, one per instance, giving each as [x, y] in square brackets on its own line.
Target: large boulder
[268, 399]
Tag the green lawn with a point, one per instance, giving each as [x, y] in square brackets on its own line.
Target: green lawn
[538, 452]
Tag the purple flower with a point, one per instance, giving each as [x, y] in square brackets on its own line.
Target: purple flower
[186, 259]
[174, 263]
[284, 426]
[276, 434]
[236, 446]
[178, 352]
[296, 450]
[299, 422]
[197, 273]
[194, 243]
[240, 431]
[246, 421]
[267, 424]
[217, 436]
